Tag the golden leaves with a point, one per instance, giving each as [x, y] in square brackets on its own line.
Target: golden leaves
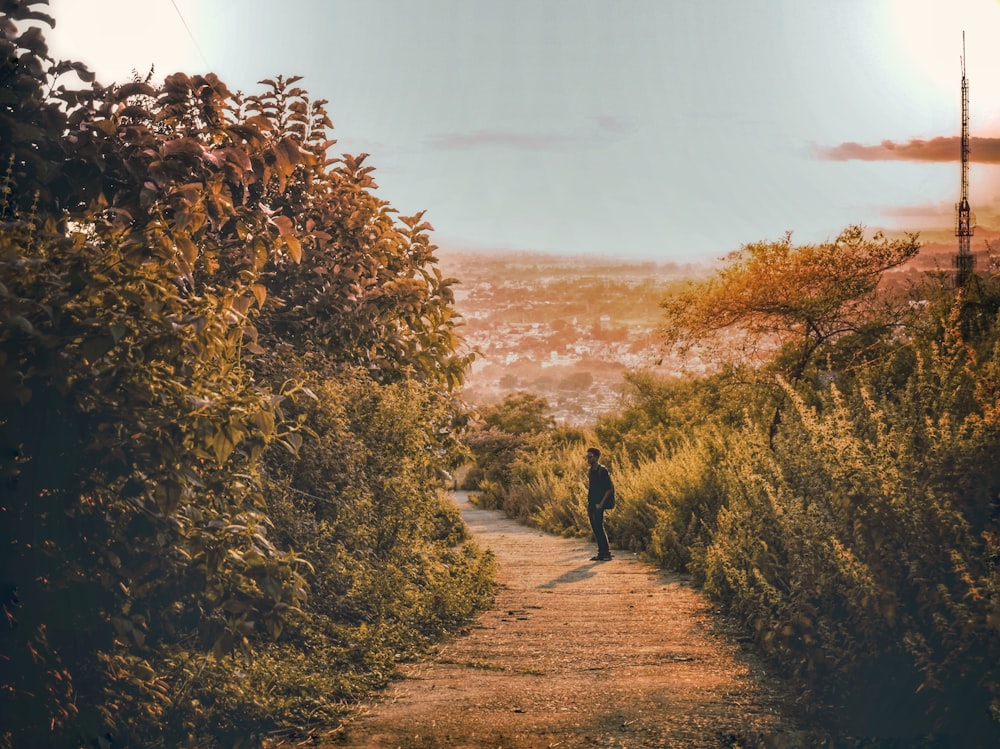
[259, 292]
[775, 291]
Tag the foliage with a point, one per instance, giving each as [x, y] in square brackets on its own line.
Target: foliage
[855, 542]
[658, 413]
[174, 263]
[520, 413]
[523, 464]
[799, 297]
[548, 476]
[687, 494]
[504, 431]
[856, 537]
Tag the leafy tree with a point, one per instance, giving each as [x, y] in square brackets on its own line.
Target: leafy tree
[797, 297]
[519, 414]
[504, 432]
[797, 301]
[156, 245]
[130, 431]
[355, 283]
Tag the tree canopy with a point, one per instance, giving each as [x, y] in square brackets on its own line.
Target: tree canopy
[773, 294]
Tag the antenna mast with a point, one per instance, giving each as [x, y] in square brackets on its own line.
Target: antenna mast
[965, 221]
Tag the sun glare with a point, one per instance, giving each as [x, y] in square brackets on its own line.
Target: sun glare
[115, 37]
[925, 40]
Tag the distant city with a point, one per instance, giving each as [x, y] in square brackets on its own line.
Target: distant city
[563, 328]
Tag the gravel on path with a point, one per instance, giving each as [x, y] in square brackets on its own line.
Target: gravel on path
[577, 653]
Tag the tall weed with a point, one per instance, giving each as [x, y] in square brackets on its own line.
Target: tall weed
[856, 535]
[682, 495]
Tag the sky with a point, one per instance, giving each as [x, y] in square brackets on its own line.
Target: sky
[667, 130]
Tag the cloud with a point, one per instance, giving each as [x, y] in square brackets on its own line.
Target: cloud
[608, 128]
[610, 124]
[518, 141]
[940, 149]
[924, 210]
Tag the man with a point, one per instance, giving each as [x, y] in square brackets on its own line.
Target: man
[599, 492]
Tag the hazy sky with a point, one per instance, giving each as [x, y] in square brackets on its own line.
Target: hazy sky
[661, 129]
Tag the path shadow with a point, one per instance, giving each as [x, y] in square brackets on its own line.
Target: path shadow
[572, 576]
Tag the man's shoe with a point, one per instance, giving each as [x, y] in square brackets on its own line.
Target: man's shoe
[601, 558]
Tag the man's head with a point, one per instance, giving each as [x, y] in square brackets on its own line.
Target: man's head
[593, 454]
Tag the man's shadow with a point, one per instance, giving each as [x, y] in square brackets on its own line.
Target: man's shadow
[572, 576]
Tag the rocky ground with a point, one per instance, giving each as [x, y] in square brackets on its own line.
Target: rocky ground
[577, 653]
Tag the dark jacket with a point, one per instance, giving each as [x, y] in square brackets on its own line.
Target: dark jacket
[598, 484]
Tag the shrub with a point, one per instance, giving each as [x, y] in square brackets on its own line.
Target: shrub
[686, 494]
[853, 529]
[220, 354]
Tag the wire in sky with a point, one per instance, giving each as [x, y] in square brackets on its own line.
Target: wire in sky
[191, 34]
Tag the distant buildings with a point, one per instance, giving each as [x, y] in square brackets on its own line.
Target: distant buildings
[532, 355]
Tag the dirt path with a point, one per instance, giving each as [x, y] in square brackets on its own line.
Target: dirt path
[579, 654]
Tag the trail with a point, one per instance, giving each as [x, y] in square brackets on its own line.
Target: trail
[578, 653]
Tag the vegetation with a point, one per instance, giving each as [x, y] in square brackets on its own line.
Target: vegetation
[800, 298]
[226, 398]
[858, 535]
[228, 378]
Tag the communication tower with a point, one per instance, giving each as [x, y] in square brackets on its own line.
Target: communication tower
[965, 221]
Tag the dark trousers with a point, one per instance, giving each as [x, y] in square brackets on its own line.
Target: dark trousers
[597, 525]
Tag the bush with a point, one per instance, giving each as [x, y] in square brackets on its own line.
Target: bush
[226, 377]
[848, 518]
[686, 492]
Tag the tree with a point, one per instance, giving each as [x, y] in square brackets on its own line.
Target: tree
[798, 298]
[793, 302]
[504, 431]
[520, 414]
[356, 283]
[156, 244]
[130, 429]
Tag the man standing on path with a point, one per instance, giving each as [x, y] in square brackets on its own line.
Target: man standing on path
[599, 493]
